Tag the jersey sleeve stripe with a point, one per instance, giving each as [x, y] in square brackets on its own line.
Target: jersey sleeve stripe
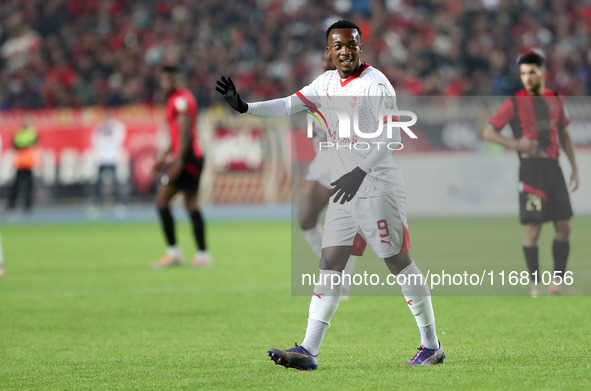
[313, 108]
[307, 102]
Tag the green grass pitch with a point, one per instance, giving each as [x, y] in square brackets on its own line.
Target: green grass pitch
[80, 308]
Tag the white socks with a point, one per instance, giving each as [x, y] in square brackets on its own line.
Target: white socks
[323, 305]
[325, 299]
[314, 238]
[429, 336]
[418, 298]
[314, 335]
[326, 296]
[173, 251]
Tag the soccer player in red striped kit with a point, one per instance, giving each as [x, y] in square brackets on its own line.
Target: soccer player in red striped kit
[182, 162]
[539, 124]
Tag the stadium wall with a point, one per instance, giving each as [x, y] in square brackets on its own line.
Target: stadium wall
[470, 184]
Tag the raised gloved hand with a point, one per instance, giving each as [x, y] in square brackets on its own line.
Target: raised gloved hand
[227, 88]
[346, 186]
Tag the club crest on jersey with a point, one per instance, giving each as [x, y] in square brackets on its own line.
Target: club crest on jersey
[181, 104]
[388, 101]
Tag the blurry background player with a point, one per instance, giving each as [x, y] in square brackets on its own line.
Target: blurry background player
[1, 252]
[25, 145]
[108, 138]
[316, 192]
[182, 163]
[538, 121]
[369, 194]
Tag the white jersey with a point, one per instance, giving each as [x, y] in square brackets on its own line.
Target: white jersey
[107, 140]
[319, 133]
[368, 94]
[319, 168]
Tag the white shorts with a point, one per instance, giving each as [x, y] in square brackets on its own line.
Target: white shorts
[319, 169]
[381, 220]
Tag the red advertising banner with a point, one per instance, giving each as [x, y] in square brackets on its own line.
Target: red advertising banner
[65, 141]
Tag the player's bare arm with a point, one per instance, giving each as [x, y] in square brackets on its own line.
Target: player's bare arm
[523, 144]
[569, 148]
[161, 157]
[159, 163]
[176, 166]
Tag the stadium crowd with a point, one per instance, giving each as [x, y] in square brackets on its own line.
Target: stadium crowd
[56, 53]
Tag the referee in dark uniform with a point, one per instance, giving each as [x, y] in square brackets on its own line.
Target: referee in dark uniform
[539, 124]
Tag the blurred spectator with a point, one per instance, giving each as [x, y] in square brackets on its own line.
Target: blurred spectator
[25, 144]
[96, 52]
[21, 44]
[108, 138]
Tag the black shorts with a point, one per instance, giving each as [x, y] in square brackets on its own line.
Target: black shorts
[543, 195]
[190, 175]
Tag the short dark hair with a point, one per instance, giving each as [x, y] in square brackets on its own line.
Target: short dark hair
[343, 24]
[532, 57]
[168, 68]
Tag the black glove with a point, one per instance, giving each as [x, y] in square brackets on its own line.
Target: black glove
[227, 88]
[346, 186]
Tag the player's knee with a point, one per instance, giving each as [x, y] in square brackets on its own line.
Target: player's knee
[563, 230]
[333, 261]
[161, 203]
[191, 202]
[398, 262]
[532, 233]
[191, 206]
[327, 264]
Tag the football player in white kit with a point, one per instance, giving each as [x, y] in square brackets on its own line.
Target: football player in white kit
[369, 193]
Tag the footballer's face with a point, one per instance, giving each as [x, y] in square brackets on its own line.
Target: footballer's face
[167, 81]
[344, 48]
[532, 77]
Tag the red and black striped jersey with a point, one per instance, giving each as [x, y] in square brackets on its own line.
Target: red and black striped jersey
[537, 117]
[182, 102]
